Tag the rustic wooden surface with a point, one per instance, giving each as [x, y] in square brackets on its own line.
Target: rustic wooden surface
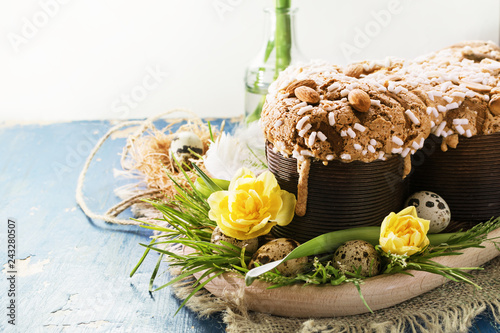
[331, 301]
[74, 272]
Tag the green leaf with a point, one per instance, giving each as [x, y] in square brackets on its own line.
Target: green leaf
[207, 180]
[203, 188]
[210, 131]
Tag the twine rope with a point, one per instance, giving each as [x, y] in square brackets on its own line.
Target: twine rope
[111, 215]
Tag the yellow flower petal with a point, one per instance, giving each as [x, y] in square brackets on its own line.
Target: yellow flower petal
[287, 210]
[216, 198]
[251, 206]
[410, 210]
[227, 222]
[259, 225]
[217, 202]
[232, 232]
[275, 205]
[386, 223]
[241, 173]
[269, 182]
[425, 224]
[404, 233]
[264, 231]
[409, 250]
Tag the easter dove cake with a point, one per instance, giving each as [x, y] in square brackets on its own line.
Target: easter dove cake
[335, 134]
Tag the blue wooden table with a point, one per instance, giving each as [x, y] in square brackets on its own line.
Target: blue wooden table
[73, 272]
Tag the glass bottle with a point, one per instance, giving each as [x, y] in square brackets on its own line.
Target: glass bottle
[279, 50]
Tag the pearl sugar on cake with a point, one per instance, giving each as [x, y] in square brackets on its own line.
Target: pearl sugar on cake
[432, 207]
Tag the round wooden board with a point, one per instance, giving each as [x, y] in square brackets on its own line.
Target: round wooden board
[331, 301]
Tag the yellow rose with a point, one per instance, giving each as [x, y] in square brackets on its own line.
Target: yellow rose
[404, 232]
[251, 206]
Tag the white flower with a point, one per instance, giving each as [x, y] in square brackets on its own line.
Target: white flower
[229, 153]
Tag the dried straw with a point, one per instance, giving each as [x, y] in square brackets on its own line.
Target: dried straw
[147, 157]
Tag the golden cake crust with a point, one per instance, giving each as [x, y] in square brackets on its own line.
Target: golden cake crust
[449, 93]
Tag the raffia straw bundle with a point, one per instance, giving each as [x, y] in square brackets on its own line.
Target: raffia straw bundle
[147, 156]
[146, 161]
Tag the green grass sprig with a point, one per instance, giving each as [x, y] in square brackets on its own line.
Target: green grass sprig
[189, 225]
[422, 261]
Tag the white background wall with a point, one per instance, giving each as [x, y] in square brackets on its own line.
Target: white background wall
[83, 58]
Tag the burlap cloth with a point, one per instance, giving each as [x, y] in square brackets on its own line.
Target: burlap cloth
[448, 308]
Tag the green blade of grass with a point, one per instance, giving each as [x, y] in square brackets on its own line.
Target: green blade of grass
[155, 272]
[141, 260]
[180, 277]
[208, 181]
[210, 131]
[197, 289]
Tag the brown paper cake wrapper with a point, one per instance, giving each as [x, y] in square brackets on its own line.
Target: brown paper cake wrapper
[468, 177]
[340, 195]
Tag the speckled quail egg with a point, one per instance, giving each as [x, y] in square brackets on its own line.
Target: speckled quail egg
[278, 249]
[357, 253]
[183, 143]
[250, 245]
[432, 207]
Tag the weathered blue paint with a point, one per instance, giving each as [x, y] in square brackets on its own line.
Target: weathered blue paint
[77, 272]
[84, 282]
